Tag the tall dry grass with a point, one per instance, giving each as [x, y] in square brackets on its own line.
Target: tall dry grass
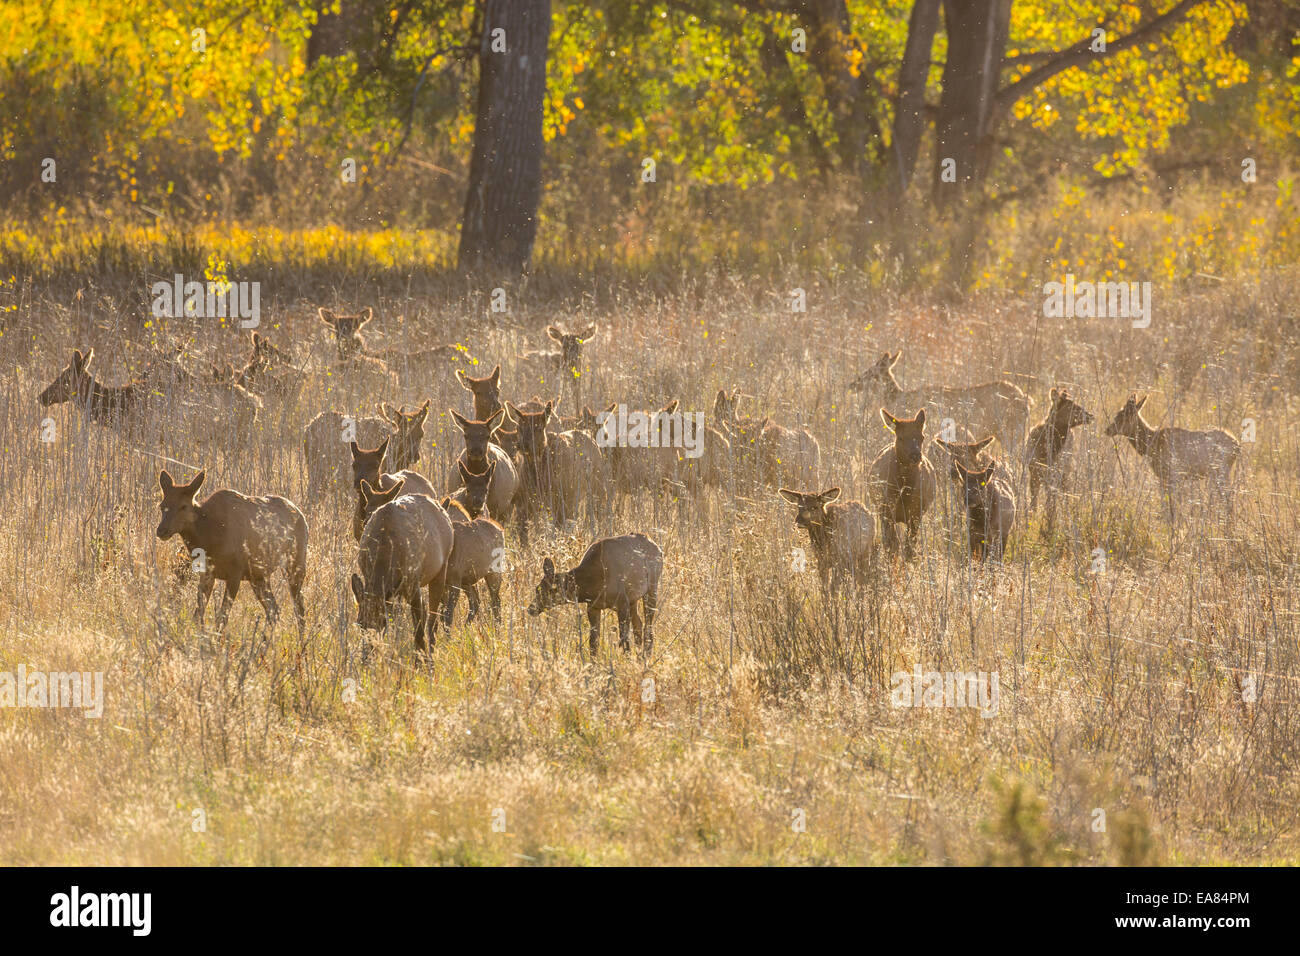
[1119, 691]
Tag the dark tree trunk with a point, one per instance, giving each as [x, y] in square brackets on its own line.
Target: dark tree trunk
[829, 31]
[505, 172]
[909, 123]
[331, 34]
[977, 40]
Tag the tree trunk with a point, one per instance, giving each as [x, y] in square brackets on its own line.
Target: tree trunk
[977, 40]
[505, 172]
[909, 123]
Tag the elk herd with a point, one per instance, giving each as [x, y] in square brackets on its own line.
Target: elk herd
[524, 462]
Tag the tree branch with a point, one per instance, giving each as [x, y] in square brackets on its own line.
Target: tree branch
[1081, 53]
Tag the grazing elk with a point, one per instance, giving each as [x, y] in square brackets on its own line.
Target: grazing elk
[615, 573]
[783, 455]
[329, 434]
[481, 455]
[104, 404]
[368, 466]
[842, 534]
[1001, 408]
[1177, 453]
[405, 548]
[235, 538]
[990, 510]
[902, 480]
[477, 554]
[1048, 441]
[555, 470]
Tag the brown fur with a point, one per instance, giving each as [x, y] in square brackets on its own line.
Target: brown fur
[1177, 453]
[990, 511]
[477, 554]
[842, 534]
[902, 480]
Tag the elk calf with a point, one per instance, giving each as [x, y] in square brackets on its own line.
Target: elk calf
[564, 362]
[477, 554]
[902, 480]
[106, 405]
[843, 535]
[990, 511]
[482, 455]
[1048, 441]
[781, 454]
[405, 548]
[472, 495]
[326, 439]
[999, 407]
[1177, 453]
[555, 470]
[615, 573]
[238, 539]
[368, 466]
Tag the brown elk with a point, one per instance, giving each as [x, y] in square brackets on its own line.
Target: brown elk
[405, 548]
[902, 480]
[615, 573]
[1177, 453]
[472, 495]
[1048, 443]
[564, 362]
[352, 351]
[782, 455]
[990, 511]
[480, 453]
[368, 466]
[477, 554]
[555, 470]
[999, 407]
[104, 404]
[269, 372]
[842, 534]
[235, 538]
[326, 439]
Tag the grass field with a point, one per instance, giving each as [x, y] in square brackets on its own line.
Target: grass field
[761, 730]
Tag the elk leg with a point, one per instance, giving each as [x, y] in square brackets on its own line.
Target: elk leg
[638, 627]
[449, 608]
[650, 603]
[265, 596]
[471, 595]
[437, 593]
[622, 609]
[494, 594]
[227, 599]
[888, 531]
[419, 616]
[299, 608]
[593, 620]
[206, 582]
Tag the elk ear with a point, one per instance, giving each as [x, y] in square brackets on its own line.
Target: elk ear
[496, 420]
[589, 333]
[889, 420]
[464, 472]
[1054, 393]
[389, 413]
[358, 587]
[670, 407]
[165, 481]
[830, 494]
[496, 376]
[328, 317]
[420, 416]
[193, 487]
[355, 449]
[920, 418]
[945, 446]
[492, 466]
[80, 361]
[894, 361]
[382, 450]
[366, 315]
[459, 419]
[1140, 402]
[555, 333]
[986, 475]
[547, 411]
[463, 379]
[790, 496]
[548, 568]
[513, 412]
[983, 443]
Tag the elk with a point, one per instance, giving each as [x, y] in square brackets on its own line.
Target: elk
[842, 534]
[368, 466]
[329, 433]
[405, 548]
[480, 453]
[565, 362]
[269, 372]
[555, 470]
[477, 554]
[615, 573]
[902, 480]
[1000, 407]
[472, 495]
[782, 455]
[1177, 453]
[352, 351]
[990, 511]
[236, 538]
[1048, 441]
[105, 405]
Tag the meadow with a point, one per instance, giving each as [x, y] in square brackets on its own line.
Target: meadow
[1147, 670]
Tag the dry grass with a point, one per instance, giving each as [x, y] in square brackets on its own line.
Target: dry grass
[1118, 691]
